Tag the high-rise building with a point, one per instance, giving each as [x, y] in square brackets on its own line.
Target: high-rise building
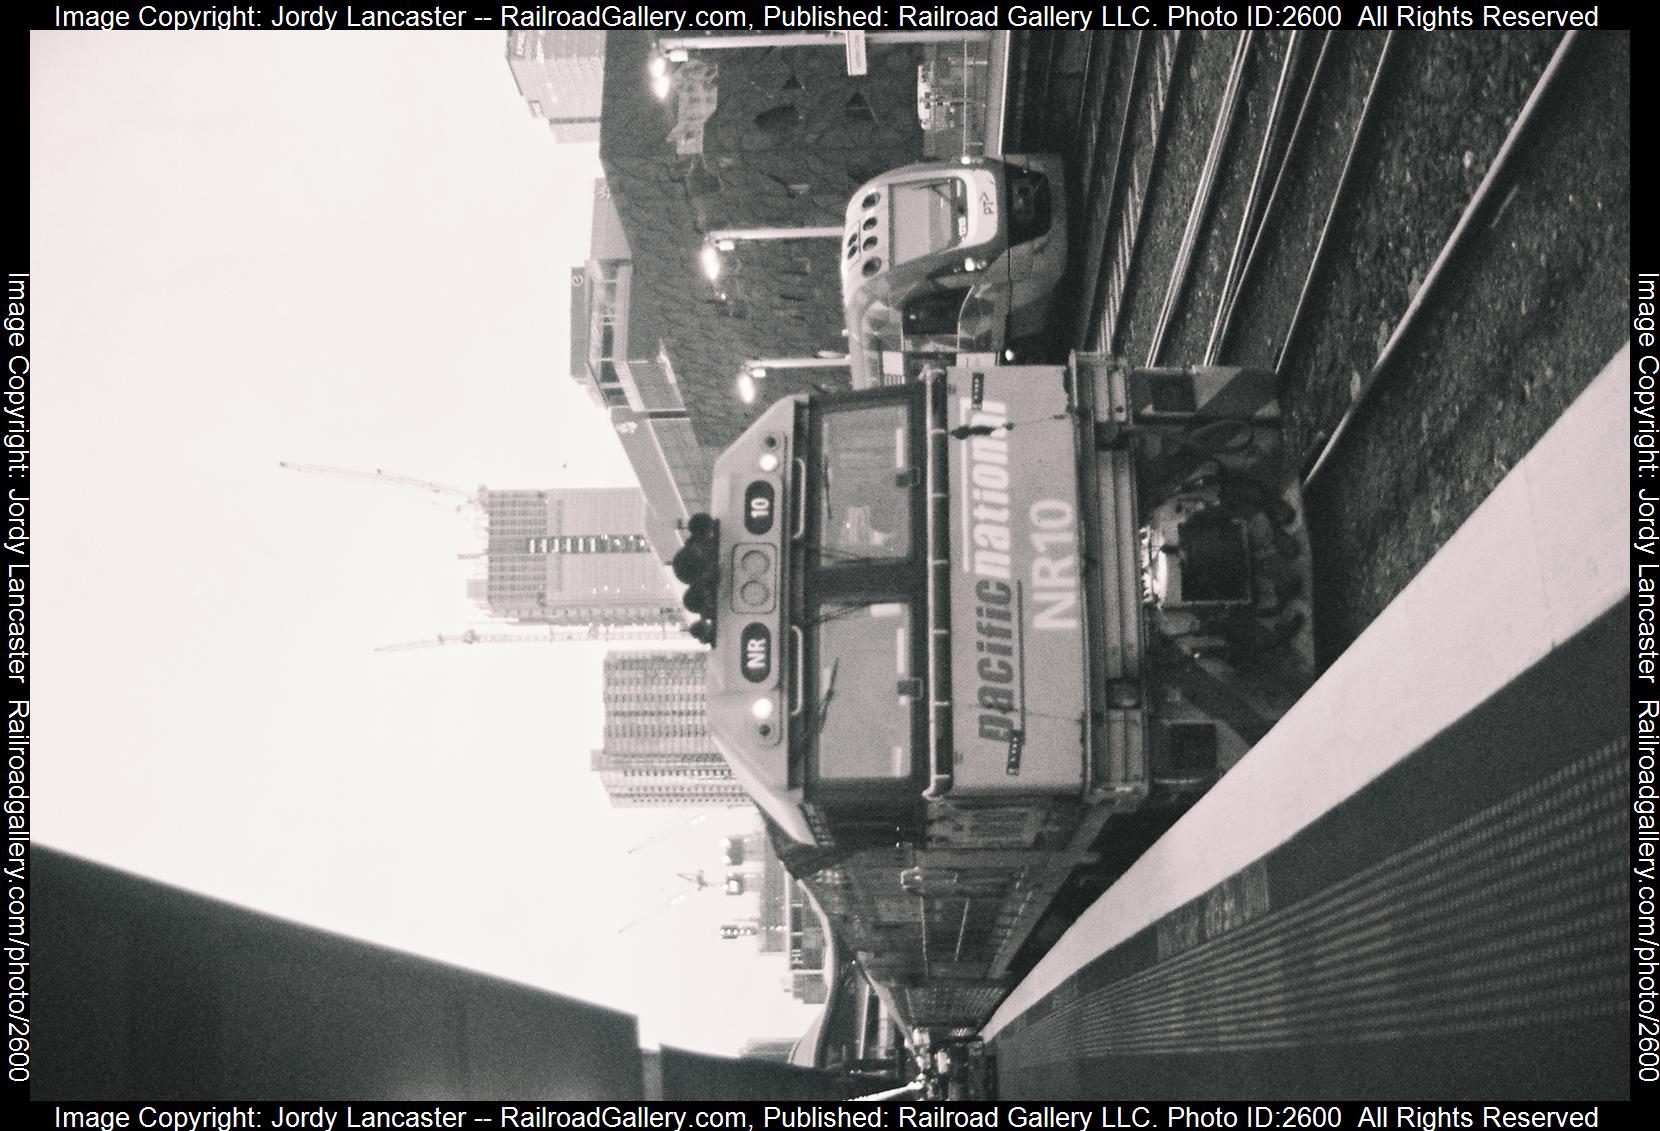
[657, 749]
[575, 556]
[561, 75]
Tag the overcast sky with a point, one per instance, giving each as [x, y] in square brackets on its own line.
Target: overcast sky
[347, 249]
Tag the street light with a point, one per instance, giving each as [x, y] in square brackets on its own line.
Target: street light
[726, 239]
[660, 71]
[709, 257]
[660, 74]
[825, 360]
[755, 370]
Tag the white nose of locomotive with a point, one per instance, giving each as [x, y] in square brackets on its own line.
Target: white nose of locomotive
[748, 692]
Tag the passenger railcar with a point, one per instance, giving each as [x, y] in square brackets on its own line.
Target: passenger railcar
[948, 260]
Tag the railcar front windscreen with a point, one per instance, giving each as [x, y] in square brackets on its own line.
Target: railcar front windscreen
[928, 216]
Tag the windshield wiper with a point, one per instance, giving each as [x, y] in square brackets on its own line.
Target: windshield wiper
[828, 694]
[824, 488]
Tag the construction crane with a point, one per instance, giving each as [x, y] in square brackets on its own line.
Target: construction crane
[554, 634]
[659, 630]
[699, 883]
[467, 498]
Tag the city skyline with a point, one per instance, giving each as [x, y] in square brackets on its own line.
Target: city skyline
[355, 253]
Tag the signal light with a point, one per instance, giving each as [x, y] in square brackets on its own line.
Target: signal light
[700, 598]
[697, 564]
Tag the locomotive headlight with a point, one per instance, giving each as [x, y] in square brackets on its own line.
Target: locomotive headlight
[974, 264]
[762, 709]
[768, 461]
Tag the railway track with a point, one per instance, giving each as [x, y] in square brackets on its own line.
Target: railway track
[1522, 289]
[1339, 197]
[1135, 162]
[1226, 120]
[1489, 196]
[1285, 203]
[1256, 218]
[1135, 283]
[1098, 185]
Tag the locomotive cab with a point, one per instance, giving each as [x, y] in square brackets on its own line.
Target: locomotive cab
[823, 601]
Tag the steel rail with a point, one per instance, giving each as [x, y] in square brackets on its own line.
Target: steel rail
[1317, 261]
[1248, 225]
[1088, 115]
[1129, 237]
[1458, 241]
[1226, 313]
[1111, 183]
[1223, 131]
[1084, 77]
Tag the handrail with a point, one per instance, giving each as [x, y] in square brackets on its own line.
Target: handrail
[800, 531]
[937, 523]
[798, 696]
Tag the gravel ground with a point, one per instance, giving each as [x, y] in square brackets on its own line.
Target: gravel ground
[1268, 299]
[1200, 78]
[1442, 114]
[1535, 312]
[1189, 330]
